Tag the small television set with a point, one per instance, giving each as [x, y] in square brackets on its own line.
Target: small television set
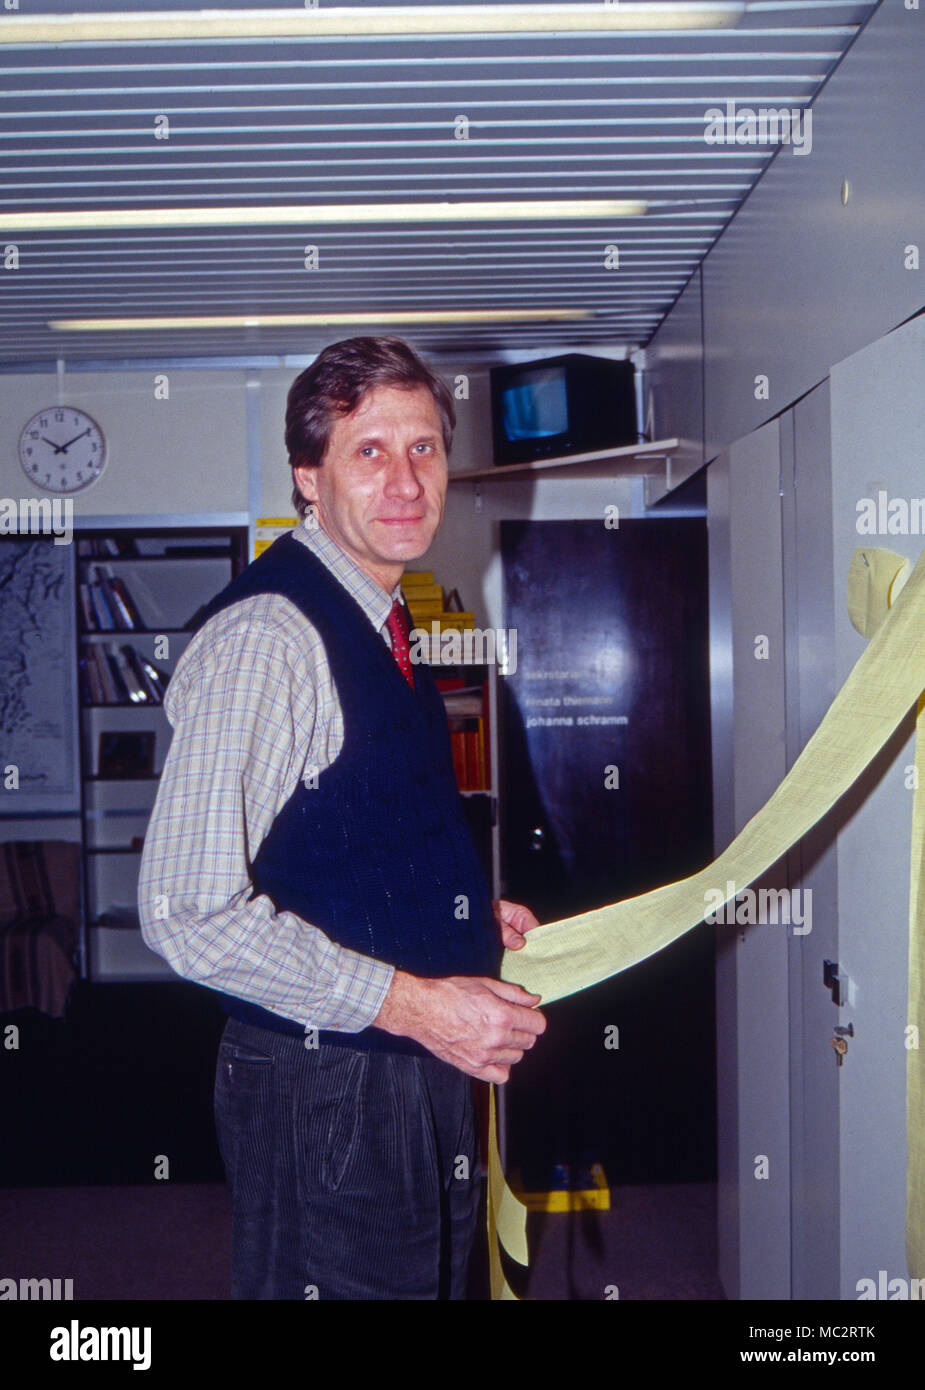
[575, 404]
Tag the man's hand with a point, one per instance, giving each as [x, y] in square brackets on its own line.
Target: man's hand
[479, 1025]
[514, 920]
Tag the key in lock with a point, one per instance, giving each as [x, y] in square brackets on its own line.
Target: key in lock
[840, 1041]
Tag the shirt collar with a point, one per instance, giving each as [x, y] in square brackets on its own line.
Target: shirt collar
[372, 598]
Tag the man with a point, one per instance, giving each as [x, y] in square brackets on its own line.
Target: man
[308, 857]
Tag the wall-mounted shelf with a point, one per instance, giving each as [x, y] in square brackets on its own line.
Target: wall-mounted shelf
[633, 460]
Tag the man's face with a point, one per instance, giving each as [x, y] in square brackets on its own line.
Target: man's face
[381, 489]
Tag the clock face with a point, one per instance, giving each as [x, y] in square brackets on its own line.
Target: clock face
[62, 449]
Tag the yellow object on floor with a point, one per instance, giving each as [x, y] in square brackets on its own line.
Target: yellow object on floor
[593, 1198]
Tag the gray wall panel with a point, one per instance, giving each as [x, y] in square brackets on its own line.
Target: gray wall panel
[673, 404]
[752, 983]
[810, 618]
[878, 442]
[799, 281]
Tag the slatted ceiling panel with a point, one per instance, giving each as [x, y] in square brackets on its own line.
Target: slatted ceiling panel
[336, 121]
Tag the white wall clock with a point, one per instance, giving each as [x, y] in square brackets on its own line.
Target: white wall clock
[62, 449]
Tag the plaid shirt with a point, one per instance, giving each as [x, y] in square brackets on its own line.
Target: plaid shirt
[254, 709]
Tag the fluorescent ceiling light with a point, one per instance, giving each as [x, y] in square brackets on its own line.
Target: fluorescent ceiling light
[412, 316]
[155, 25]
[111, 219]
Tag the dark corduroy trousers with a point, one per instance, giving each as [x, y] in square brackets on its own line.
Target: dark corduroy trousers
[353, 1173]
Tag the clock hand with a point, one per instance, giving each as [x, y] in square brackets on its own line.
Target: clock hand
[57, 447]
[64, 447]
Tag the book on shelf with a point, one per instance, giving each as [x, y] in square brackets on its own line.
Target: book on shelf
[101, 618]
[156, 678]
[480, 772]
[106, 603]
[86, 605]
[468, 744]
[138, 689]
[126, 604]
[444, 623]
[424, 593]
[428, 605]
[97, 689]
[425, 610]
[99, 676]
[467, 710]
[119, 675]
[119, 687]
[458, 750]
[147, 690]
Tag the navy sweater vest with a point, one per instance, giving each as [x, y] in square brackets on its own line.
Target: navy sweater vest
[377, 853]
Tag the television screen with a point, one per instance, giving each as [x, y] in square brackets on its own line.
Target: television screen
[537, 405]
[573, 404]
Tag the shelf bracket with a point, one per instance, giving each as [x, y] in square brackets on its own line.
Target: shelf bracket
[477, 497]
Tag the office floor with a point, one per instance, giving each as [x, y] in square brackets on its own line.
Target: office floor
[173, 1241]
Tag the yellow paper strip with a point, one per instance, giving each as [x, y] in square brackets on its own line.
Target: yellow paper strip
[563, 957]
[508, 1211]
[507, 1218]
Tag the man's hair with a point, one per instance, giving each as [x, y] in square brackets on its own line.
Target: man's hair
[336, 383]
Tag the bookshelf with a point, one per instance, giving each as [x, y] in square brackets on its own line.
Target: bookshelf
[137, 594]
[465, 664]
[470, 692]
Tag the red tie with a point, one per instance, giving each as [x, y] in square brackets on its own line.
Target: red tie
[397, 623]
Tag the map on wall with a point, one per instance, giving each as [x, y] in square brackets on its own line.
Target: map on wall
[37, 702]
